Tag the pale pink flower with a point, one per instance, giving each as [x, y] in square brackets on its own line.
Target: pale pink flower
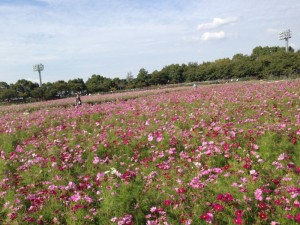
[96, 160]
[244, 180]
[282, 156]
[258, 194]
[159, 137]
[150, 137]
[75, 198]
[19, 149]
[88, 199]
[114, 219]
[172, 151]
[153, 209]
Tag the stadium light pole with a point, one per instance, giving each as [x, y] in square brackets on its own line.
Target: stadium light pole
[39, 68]
[285, 35]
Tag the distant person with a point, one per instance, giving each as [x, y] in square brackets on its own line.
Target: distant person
[78, 100]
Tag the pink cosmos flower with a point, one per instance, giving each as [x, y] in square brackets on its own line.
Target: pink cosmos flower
[297, 170]
[159, 137]
[99, 176]
[114, 219]
[274, 223]
[282, 156]
[238, 220]
[150, 137]
[126, 220]
[88, 199]
[297, 218]
[168, 202]
[75, 198]
[180, 190]
[153, 209]
[238, 213]
[226, 197]
[208, 216]
[255, 147]
[290, 216]
[217, 207]
[19, 149]
[163, 166]
[55, 220]
[258, 194]
[217, 170]
[172, 151]
[296, 204]
[195, 183]
[96, 160]
[262, 215]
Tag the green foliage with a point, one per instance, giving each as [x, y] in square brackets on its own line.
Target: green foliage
[7, 94]
[263, 63]
[98, 83]
[143, 78]
[77, 85]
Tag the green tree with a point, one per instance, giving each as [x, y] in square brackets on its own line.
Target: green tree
[98, 83]
[190, 72]
[23, 88]
[223, 68]
[7, 94]
[76, 85]
[38, 93]
[119, 84]
[158, 78]
[3, 85]
[176, 73]
[49, 91]
[130, 81]
[242, 66]
[143, 78]
[261, 51]
[61, 87]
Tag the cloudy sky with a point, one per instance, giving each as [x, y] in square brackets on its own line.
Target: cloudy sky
[78, 38]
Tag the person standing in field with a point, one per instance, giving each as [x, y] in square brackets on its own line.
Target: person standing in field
[77, 100]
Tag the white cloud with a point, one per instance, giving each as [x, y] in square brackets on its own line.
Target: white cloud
[217, 22]
[112, 37]
[212, 35]
[273, 31]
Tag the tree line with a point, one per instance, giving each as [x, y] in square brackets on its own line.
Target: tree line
[263, 63]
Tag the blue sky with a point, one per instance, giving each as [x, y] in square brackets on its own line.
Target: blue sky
[78, 38]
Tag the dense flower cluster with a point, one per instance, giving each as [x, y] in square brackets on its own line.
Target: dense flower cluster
[218, 154]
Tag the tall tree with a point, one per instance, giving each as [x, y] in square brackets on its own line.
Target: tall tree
[143, 78]
[119, 84]
[23, 88]
[77, 85]
[3, 85]
[98, 83]
[7, 94]
[61, 88]
[130, 80]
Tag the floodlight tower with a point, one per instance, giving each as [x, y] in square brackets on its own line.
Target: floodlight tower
[285, 35]
[39, 68]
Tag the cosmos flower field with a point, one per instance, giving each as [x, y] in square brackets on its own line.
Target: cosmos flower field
[215, 154]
